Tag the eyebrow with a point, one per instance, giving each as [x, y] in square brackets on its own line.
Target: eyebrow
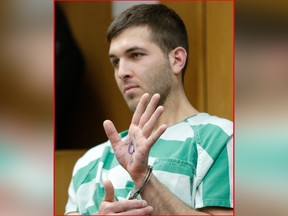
[134, 48]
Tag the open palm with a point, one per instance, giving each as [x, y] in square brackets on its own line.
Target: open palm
[132, 152]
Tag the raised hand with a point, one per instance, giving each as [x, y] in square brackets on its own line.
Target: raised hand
[132, 153]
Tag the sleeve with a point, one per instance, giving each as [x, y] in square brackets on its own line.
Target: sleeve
[71, 205]
[216, 185]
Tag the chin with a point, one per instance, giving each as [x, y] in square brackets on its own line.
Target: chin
[132, 104]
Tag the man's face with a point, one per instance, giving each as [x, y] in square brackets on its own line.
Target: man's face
[140, 66]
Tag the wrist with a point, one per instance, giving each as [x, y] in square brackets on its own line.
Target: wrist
[139, 178]
[140, 185]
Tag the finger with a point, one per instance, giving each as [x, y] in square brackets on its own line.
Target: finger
[128, 205]
[149, 110]
[109, 192]
[140, 109]
[155, 136]
[111, 132]
[149, 126]
[143, 211]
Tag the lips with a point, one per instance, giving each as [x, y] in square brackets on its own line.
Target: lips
[128, 88]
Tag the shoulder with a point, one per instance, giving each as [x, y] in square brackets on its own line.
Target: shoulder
[205, 121]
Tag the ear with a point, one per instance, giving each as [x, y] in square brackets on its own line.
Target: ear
[178, 58]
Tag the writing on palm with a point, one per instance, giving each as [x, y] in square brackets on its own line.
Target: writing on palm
[133, 151]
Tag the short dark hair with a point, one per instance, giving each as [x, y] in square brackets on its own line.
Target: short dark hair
[167, 28]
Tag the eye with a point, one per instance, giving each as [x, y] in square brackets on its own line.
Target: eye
[136, 55]
[115, 62]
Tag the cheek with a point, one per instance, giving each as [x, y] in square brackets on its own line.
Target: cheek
[118, 82]
[157, 73]
[116, 79]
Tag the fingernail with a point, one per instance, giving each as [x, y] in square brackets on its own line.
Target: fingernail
[150, 209]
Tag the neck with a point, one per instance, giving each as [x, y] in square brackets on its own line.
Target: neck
[176, 108]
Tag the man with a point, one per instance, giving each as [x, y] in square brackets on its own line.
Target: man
[189, 152]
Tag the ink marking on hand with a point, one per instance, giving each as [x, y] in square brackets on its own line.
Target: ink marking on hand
[131, 149]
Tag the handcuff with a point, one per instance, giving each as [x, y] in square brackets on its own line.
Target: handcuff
[136, 191]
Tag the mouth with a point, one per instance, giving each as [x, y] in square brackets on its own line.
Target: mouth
[130, 88]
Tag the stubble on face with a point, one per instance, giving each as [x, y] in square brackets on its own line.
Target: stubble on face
[151, 73]
[157, 79]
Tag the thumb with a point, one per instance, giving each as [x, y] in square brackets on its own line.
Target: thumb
[109, 191]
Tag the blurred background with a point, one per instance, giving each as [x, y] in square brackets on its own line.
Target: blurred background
[86, 94]
[261, 108]
[26, 108]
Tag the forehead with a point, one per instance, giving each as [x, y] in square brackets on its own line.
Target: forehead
[131, 37]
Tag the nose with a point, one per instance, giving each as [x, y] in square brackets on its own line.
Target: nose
[124, 70]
